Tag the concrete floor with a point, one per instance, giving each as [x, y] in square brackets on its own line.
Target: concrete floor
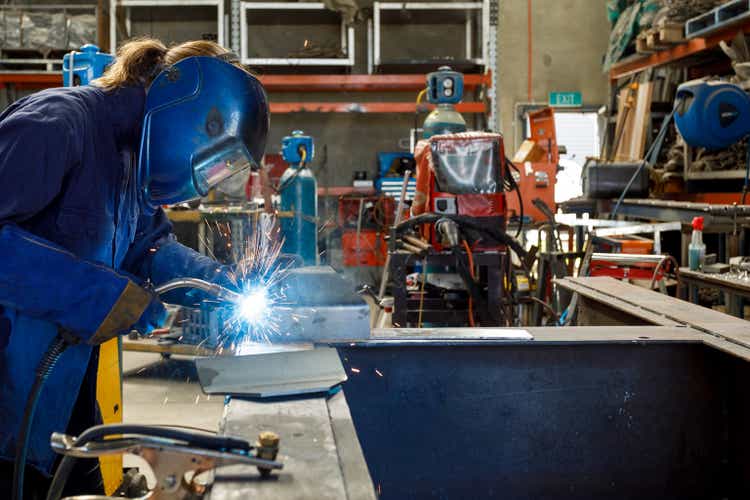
[160, 391]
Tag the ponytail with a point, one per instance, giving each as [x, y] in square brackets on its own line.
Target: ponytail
[139, 61]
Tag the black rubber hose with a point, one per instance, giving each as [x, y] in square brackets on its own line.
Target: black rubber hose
[210, 441]
[467, 222]
[43, 371]
[650, 158]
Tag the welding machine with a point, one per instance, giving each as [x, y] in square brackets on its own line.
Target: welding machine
[462, 174]
[712, 115]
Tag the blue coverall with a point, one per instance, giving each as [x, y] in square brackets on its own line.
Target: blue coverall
[68, 161]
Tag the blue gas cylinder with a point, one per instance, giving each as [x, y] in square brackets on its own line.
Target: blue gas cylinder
[712, 115]
[79, 68]
[299, 195]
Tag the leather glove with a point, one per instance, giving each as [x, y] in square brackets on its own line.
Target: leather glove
[136, 308]
[153, 316]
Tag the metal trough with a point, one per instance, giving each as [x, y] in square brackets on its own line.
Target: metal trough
[616, 413]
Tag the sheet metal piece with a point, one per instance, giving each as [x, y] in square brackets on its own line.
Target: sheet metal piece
[325, 307]
[275, 374]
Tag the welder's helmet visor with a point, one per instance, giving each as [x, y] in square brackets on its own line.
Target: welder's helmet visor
[205, 120]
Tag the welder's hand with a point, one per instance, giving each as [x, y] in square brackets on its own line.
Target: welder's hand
[153, 317]
[136, 309]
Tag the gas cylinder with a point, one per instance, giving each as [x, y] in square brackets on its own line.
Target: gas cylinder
[445, 88]
[444, 119]
[299, 198]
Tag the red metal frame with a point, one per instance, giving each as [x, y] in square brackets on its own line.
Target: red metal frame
[680, 51]
[311, 83]
[358, 83]
[366, 107]
[31, 80]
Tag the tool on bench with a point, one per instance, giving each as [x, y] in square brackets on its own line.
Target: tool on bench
[176, 456]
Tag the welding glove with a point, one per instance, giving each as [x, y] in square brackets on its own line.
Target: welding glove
[43, 280]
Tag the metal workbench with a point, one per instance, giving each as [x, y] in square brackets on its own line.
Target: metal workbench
[576, 412]
[735, 290]
[319, 448]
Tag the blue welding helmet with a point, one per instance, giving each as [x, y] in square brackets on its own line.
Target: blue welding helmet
[205, 120]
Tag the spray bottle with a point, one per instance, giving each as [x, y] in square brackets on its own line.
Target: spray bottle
[697, 249]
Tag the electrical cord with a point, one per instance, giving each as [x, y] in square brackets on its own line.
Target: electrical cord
[471, 286]
[648, 159]
[421, 292]
[46, 365]
[420, 95]
[545, 306]
[517, 188]
[547, 212]
[300, 167]
[468, 222]
[470, 256]
[675, 266]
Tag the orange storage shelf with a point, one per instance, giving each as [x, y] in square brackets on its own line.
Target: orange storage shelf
[680, 51]
[366, 107]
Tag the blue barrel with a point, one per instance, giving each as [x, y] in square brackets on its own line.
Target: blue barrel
[299, 195]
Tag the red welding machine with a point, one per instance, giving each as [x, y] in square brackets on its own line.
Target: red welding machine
[462, 174]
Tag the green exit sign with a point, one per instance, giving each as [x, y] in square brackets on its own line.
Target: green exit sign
[565, 99]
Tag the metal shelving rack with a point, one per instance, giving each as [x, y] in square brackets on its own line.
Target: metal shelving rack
[347, 36]
[677, 53]
[130, 4]
[322, 83]
[51, 66]
[688, 53]
[481, 8]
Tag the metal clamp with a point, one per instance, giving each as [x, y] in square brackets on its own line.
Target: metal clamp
[176, 463]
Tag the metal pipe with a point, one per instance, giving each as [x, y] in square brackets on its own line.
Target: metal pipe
[627, 258]
[399, 214]
[417, 242]
[217, 291]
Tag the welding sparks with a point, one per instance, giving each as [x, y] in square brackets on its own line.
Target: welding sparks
[253, 306]
[258, 276]
[355, 370]
[378, 372]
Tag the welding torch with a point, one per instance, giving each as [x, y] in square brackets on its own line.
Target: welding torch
[217, 291]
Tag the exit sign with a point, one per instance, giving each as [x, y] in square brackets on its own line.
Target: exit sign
[565, 99]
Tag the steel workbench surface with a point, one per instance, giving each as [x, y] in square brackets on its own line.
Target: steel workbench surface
[575, 412]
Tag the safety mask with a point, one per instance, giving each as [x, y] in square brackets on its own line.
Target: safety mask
[205, 120]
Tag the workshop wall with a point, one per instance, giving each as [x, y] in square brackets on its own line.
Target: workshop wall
[568, 41]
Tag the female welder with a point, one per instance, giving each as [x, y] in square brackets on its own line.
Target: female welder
[83, 174]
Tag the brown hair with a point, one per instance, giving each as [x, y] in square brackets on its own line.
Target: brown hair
[139, 61]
